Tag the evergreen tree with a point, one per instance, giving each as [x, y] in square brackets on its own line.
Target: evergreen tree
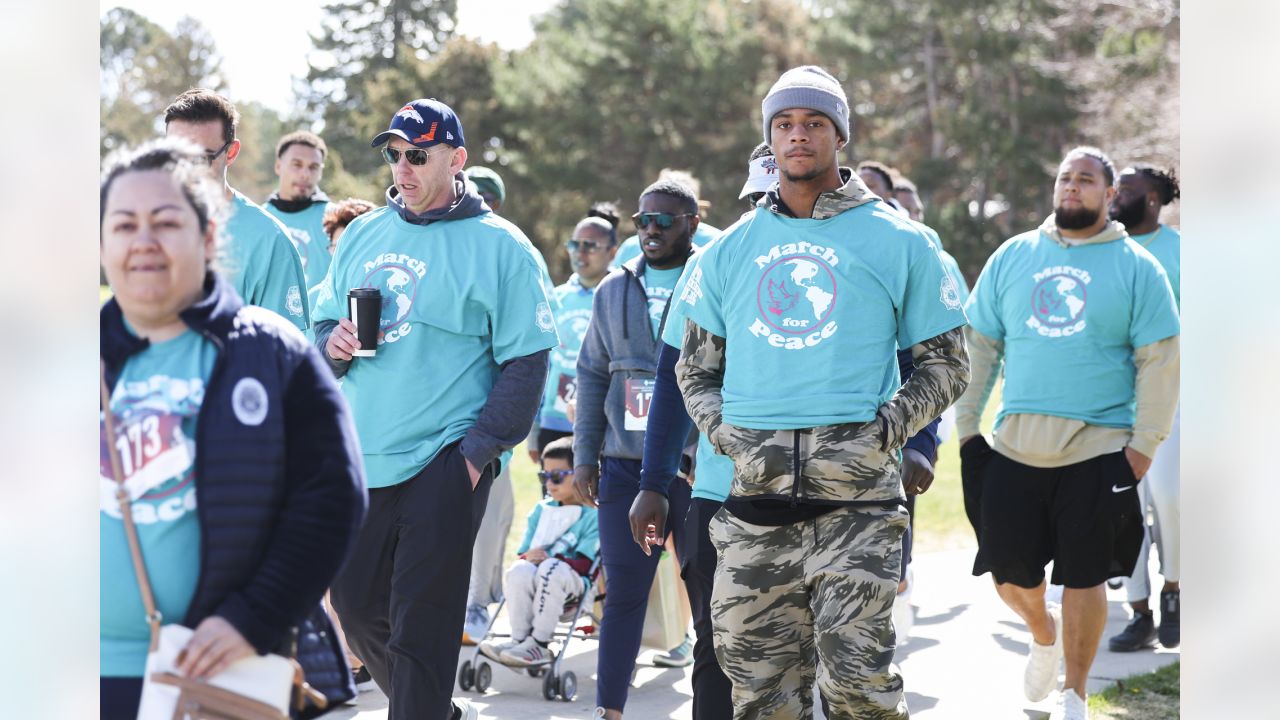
[358, 41]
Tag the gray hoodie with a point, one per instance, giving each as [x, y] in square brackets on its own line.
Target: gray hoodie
[619, 345]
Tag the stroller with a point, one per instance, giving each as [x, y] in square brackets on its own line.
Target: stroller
[477, 672]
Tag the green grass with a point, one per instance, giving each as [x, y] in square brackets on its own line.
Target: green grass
[1152, 696]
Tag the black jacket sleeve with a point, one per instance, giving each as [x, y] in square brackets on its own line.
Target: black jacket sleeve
[508, 412]
[322, 510]
[669, 426]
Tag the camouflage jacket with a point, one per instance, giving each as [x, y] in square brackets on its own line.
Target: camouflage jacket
[843, 464]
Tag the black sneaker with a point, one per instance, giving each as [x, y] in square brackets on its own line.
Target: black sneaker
[364, 681]
[1140, 633]
[1170, 611]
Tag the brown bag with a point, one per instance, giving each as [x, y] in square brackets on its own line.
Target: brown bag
[196, 699]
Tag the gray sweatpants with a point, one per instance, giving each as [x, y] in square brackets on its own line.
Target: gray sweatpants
[536, 595]
[491, 543]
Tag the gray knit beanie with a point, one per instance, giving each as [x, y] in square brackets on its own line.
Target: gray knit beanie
[812, 88]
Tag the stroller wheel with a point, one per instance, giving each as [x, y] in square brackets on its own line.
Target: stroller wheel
[536, 670]
[550, 688]
[484, 676]
[466, 676]
[568, 686]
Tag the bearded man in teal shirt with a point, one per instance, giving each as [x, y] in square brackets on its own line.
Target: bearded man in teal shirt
[1084, 323]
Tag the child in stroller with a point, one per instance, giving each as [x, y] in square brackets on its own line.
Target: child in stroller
[557, 555]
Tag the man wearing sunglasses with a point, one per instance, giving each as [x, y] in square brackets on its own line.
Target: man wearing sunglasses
[702, 235]
[789, 367]
[616, 367]
[466, 329]
[261, 262]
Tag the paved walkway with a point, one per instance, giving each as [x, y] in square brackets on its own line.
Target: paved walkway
[964, 660]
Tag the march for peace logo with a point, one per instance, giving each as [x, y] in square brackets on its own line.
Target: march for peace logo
[1058, 301]
[573, 326]
[397, 276]
[796, 295]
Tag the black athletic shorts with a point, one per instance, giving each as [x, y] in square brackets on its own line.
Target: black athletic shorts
[1085, 517]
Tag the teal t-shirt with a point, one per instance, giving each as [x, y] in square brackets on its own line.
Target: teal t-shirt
[658, 285]
[155, 401]
[1070, 318]
[630, 248]
[306, 232]
[714, 472]
[813, 312]
[948, 263]
[572, 304]
[459, 299]
[1166, 244]
[261, 263]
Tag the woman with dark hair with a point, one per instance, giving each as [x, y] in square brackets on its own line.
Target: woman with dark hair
[237, 452]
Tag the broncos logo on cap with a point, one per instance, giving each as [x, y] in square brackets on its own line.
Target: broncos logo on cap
[409, 113]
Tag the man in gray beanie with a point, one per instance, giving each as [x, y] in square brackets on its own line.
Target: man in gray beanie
[809, 538]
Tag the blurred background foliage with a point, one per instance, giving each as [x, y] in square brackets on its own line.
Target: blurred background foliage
[975, 101]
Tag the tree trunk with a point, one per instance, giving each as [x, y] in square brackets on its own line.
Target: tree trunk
[931, 92]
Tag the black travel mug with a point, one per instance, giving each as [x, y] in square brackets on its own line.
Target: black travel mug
[365, 307]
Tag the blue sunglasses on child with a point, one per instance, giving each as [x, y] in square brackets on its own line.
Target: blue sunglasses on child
[555, 477]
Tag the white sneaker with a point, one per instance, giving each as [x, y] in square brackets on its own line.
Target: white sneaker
[904, 616]
[464, 710]
[1044, 663]
[494, 650]
[526, 653]
[1070, 707]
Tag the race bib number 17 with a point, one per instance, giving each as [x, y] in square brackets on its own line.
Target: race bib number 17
[639, 398]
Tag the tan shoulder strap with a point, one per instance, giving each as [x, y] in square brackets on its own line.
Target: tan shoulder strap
[126, 511]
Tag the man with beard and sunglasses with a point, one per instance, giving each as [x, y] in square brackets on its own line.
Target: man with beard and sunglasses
[460, 362]
[788, 366]
[617, 365]
[262, 264]
[1141, 193]
[1086, 326]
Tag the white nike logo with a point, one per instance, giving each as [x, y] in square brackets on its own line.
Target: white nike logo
[1118, 489]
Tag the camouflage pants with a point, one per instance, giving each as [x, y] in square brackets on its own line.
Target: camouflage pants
[823, 587]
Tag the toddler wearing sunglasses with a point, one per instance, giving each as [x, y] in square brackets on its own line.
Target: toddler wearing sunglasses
[561, 540]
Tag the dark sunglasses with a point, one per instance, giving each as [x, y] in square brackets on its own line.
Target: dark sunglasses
[555, 477]
[591, 248]
[415, 156]
[664, 220]
[209, 157]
